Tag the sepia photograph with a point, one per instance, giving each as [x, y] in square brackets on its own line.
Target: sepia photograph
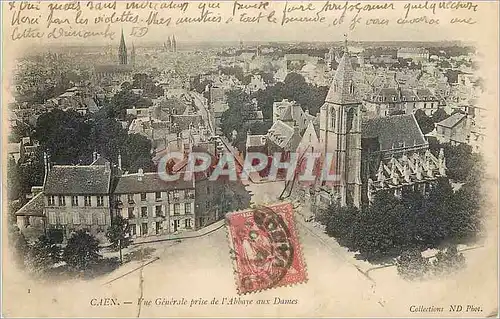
[250, 159]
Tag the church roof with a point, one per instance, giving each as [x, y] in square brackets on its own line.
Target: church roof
[393, 132]
[342, 88]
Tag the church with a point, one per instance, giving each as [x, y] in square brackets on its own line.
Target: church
[120, 72]
[368, 154]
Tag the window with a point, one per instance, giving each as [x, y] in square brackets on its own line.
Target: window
[87, 201]
[51, 200]
[176, 194]
[100, 200]
[158, 210]
[130, 198]
[350, 120]
[143, 197]
[187, 208]
[333, 118]
[190, 193]
[62, 218]
[62, 201]
[158, 195]
[131, 214]
[351, 88]
[52, 218]
[101, 219]
[207, 205]
[208, 190]
[177, 209]
[144, 228]
[132, 230]
[187, 223]
[76, 218]
[88, 219]
[74, 200]
[425, 105]
[144, 212]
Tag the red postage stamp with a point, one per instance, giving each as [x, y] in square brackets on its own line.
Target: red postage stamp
[266, 248]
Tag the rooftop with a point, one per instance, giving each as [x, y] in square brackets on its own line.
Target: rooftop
[78, 180]
[148, 183]
[398, 131]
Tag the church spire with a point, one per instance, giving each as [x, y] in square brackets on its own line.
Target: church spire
[174, 44]
[122, 50]
[342, 88]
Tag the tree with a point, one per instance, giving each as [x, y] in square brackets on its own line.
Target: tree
[342, 223]
[65, 134]
[439, 115]
[13, 180]
[448, 260]
[18, 244]
[44, 254]
[82, 251]
[119, 234]
[411, 265]
[426, 124]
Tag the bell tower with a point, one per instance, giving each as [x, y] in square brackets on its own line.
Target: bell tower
[340, 133]
[122, 51]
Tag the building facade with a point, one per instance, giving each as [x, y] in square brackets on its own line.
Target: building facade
[77, 197]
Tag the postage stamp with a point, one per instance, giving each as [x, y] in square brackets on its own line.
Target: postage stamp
[265, 247]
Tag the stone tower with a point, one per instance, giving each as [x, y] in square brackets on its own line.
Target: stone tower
[132, 55]
[174, 44]
[340, 133]
[122, 51]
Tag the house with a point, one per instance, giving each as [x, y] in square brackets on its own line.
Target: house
[77, 197]
[153, 206]
[387, 101]
[456, 129]
[30, 219]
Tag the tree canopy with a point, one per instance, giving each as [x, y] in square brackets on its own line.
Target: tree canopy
[391, 225]
[82, 251]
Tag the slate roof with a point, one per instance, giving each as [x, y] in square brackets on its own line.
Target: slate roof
[149, 183]
[339, 92]
[425, 95]
[77, 180]
[452, 120]
[396, 131]
[281, 134]
[33, 208]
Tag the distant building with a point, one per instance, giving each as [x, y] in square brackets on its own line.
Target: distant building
[416, 54]
[122, 51]
[393, 100]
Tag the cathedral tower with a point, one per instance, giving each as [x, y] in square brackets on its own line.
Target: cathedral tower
[132, 55]
[174, 44]
[340, 133]
[122, 51]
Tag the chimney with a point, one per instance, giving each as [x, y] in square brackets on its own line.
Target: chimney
[107, 167]
[94, 156]
[140, 174]
[119, 161]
